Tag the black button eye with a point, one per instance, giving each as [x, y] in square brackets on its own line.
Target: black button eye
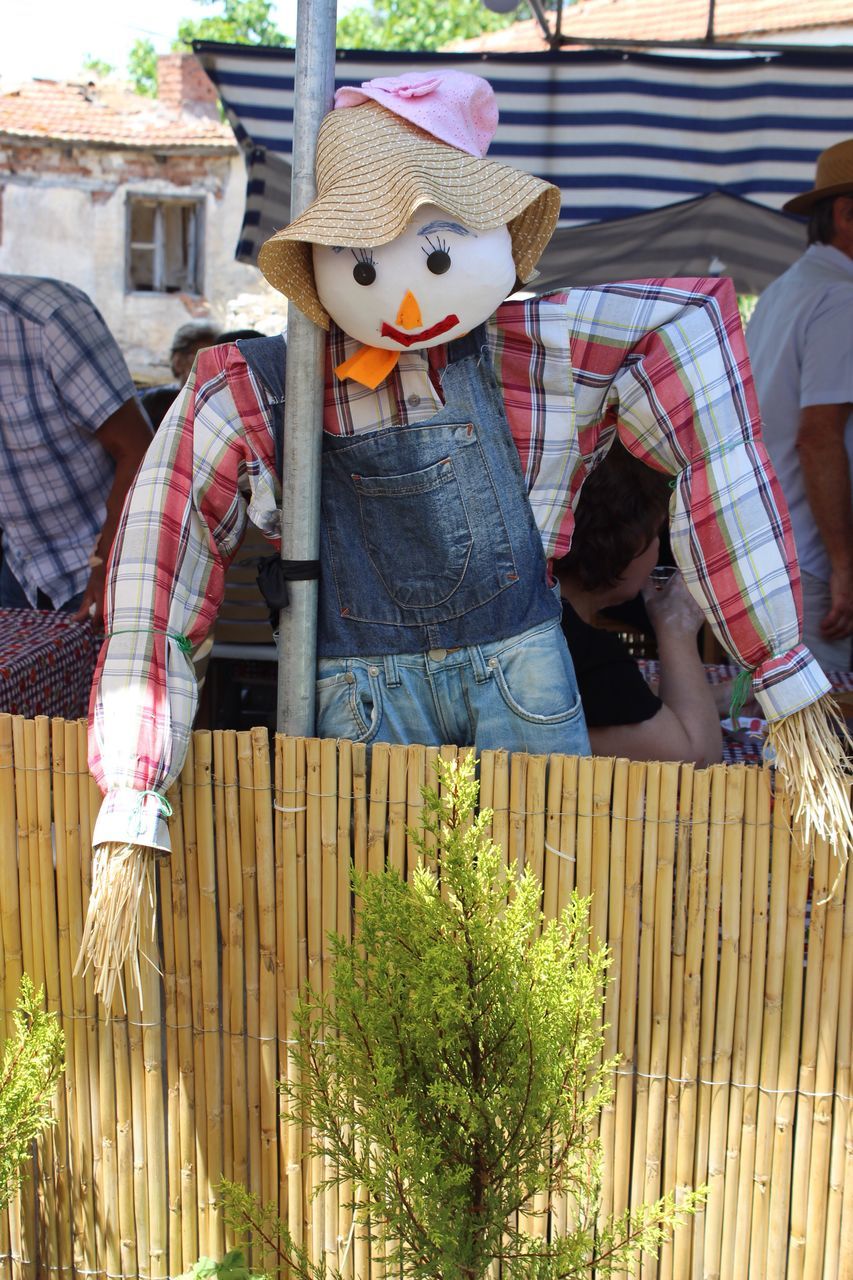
[438, 261]
[364, 273]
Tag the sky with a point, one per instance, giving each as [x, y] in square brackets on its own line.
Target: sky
[50, 39]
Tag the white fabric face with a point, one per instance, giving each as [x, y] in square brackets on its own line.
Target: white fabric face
[435, 282]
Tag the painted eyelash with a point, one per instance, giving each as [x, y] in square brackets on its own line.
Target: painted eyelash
[440, 245]
[363, 255]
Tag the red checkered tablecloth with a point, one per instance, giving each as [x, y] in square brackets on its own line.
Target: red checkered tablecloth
[718, 673]
[46, 663]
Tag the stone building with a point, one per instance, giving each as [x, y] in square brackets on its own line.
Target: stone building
[136, 200]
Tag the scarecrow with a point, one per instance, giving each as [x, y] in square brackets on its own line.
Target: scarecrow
[458, 429]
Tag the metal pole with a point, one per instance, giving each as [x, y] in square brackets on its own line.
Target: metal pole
[300, 514]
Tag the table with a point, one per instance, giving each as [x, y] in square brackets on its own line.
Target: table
[743, 748]
[47, 662]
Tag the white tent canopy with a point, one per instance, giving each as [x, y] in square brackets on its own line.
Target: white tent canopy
[669, 162]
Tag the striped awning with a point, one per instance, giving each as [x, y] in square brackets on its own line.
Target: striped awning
[677, 159]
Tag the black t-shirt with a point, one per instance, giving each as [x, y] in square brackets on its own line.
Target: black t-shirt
[611, 685]
[157, 401]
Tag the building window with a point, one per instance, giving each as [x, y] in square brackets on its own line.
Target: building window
[164, 239]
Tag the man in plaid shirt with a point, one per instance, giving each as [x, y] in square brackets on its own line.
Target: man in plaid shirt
[71, 437]
[455, 447]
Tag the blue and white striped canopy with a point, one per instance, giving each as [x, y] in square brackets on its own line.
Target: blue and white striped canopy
[669, 162]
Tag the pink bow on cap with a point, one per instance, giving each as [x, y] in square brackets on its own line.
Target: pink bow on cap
[453, 106]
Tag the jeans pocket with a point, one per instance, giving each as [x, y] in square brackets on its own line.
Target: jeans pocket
[348, 702]
[536, 679]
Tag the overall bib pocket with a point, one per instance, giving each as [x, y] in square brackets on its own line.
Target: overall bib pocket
[426, 561]
[413, 530]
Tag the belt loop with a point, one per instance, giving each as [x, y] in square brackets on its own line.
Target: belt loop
[478, 664]
[392, 675]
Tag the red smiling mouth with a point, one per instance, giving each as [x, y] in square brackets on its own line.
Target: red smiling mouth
[422, 335]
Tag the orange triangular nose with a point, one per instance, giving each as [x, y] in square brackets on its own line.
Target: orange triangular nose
[409, 315]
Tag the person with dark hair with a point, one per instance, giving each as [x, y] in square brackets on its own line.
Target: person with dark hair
[187, 341]
[622, 507]
[238, 335]
[800, 341]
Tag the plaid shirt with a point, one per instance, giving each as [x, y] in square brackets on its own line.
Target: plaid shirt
[661, 364]
[62, 376]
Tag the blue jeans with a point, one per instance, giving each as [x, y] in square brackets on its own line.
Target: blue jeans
[519, 694]
[12, 595]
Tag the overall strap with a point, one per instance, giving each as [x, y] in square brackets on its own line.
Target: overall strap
[470, 344]
[267, 358]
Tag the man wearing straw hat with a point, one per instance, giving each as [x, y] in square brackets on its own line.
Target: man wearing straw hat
[458, 430]
[800, 342]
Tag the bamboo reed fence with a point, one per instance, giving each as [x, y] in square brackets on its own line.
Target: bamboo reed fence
[730, 1003]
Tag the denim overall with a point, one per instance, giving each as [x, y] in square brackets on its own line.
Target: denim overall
[436, 622]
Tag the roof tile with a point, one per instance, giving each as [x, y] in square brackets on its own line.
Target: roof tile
[650, 20]
[104, 114]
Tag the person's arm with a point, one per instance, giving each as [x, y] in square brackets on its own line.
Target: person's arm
[826, 477]
[687, 726]
[125, 436]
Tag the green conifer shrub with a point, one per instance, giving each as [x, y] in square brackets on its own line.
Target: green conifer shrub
[231, 1267]
[33, 1061]
[456, 1071]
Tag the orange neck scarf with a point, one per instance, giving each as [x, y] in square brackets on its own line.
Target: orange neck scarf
[368, 366]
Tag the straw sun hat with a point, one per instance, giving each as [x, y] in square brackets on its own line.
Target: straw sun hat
[834, 177]
[391, 146]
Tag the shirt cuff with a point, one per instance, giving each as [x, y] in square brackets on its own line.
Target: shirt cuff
[789, 682]
[134, 817]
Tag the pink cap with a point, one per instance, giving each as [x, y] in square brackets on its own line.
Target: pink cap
[453, 106]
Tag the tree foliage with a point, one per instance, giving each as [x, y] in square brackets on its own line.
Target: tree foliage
[239, 22]
[98, 67]
[411, 24]
[32, 1063]
[380, 24]
[454, 1072]
[142, 67]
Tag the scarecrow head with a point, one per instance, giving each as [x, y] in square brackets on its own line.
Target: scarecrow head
[414, 237]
